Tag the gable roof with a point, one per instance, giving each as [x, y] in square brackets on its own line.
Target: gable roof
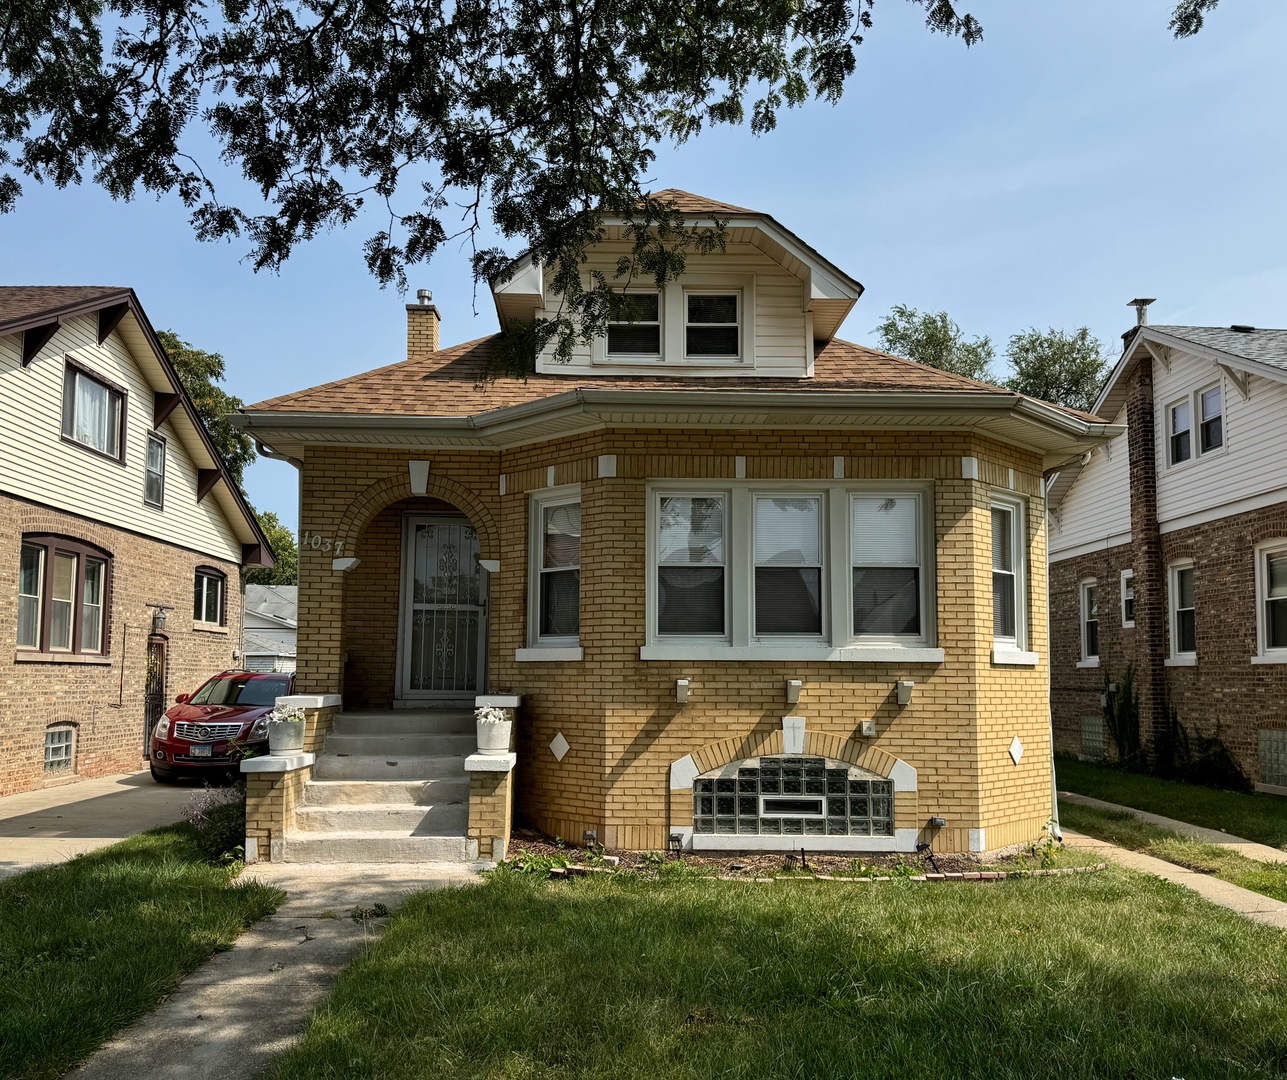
[1250, 343]
[444, 399]
[40, 309]
[277, 602]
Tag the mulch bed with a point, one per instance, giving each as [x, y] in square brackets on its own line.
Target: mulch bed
[760, 866]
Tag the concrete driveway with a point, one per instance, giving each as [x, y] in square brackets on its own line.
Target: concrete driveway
[53, 824]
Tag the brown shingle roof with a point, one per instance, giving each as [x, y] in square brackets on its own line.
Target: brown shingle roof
[19, 303]
[699, 204]
[450, 383]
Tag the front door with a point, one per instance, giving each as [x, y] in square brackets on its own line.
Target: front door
[444, 611]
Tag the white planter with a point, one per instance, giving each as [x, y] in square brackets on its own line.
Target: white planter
[494, 736]
[285, 736]
[498, 701]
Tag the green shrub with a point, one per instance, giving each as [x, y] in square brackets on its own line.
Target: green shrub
[219, 816]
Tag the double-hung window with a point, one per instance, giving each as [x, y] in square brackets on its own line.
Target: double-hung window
[154, 481]
[208, 597]
[1203, 410]
[555, 602]
[712, 326]
[93, 413]
[62, 596]
[1089, 593]
[635, 331]
[1184, 636]
[757, 569]
[1009, 583]
[1128, 599]
[788, 565]
[1271, 602]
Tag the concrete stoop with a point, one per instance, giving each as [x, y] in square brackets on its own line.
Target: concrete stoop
[388, 787]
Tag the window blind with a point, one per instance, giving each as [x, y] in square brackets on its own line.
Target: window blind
[788, 571]
[690, 574]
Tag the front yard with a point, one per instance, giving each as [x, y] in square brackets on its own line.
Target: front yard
[1108, 974]
[90, 945]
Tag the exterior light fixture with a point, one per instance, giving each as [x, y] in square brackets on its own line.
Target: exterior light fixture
[676, 843]
[904, 687]
[590, 837]
[938, 822]
[158, 617]
[682, 686]
[793, 690]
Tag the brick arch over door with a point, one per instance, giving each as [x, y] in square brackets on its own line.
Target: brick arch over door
[391, 489]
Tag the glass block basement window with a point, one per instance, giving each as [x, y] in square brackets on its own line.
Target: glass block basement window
[793, 796]
[1273, 757]
[58, 750]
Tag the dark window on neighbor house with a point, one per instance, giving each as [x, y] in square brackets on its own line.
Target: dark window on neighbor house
[60, 747]
[788, 565]
[1128, 598]
[1089, 620]
[711, 326]
[691, 596]
[93, 412]
[560, 570]
[62, 596]
[1181, 432]
[1211, 434]
[208, 599]
[154, 484]
[1276, 600]
[1185, 638]
[638, 332]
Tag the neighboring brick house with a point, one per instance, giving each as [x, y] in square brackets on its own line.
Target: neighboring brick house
[757, 586]
[115, 509]
[1168, 548]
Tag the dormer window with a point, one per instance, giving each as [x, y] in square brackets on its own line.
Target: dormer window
[638, 335]
[711, 326]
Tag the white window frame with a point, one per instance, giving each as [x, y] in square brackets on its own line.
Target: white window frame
[837, 641]
[641, 358]
[823, 567]
[1176, 658]
[545, 647]
[740, 323]
[159, 440]
[1194, 402]
[1088, 659]
[1014, 650]
[1127, 579]
[207, 576]
[70, 768]
[38, 595]
[1265, 654]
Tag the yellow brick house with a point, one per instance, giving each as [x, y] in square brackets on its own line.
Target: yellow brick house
[753, 586]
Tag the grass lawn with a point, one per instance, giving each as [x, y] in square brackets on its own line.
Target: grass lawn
[1262, 818]
[622, 977]
[89, 945]
[1125, 830]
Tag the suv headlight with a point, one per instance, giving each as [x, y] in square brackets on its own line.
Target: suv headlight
[162, 728]
[259, 729]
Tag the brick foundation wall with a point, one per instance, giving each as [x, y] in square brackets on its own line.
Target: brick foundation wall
[617, 712]
[104, 706]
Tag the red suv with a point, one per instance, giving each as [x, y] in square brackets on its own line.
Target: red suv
[213, 729]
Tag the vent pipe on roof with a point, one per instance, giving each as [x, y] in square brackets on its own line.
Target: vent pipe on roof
[424, 296]
[1140, 304]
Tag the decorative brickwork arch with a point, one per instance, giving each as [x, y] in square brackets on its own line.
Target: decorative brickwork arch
[392, 489]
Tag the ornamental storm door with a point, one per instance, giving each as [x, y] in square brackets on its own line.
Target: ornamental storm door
[444, 611]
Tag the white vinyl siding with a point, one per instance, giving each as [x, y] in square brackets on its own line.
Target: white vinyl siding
[1096, 512]
[777, 338]
[92, 486]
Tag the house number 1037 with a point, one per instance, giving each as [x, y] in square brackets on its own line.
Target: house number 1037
[318, 542]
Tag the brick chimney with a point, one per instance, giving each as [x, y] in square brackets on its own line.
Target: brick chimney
[423, 321]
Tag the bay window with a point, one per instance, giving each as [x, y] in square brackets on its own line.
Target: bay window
[885, 547]
[62, 596]
[788, 565]
[691, 596]
[555, 599]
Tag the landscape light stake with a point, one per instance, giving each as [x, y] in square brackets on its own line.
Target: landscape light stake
[923, 849]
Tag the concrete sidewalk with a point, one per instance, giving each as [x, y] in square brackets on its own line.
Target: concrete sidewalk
[229, 1018]
[53, 824]
[1249, 848]
[1249, 904]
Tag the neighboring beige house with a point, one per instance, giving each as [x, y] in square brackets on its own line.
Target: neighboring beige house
[122, 536]
[268, 627]
[757, 587]
[1168, 548]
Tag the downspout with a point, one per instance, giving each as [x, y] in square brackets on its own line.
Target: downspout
[1058, 832]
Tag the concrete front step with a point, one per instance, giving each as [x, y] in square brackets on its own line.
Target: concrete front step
[446, 819]
[405, 722]
[448, 789]
[388, 767]
[398, 745]
[370, 846]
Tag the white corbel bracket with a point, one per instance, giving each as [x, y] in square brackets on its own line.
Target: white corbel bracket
[1240, 379]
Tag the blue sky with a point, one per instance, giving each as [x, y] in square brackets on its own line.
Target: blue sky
[1078, 157]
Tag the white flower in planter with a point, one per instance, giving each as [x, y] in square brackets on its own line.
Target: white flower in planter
[489, 714]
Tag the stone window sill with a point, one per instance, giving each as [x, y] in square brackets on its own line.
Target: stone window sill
[1012, 657]
[549, 653]
[857, 654]
[1270, 658]
[1089, 663]
[209, 628]
[29, 656]
[1180, 661]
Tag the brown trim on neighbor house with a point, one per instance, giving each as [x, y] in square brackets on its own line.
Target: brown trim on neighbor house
[116, 388]
[206, 480]
[36, 338]
[162, 406]
[165, 449]
[55, 543]
[109, 318]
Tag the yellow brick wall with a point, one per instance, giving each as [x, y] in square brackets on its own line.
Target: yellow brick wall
[618, 712]
[491, 807]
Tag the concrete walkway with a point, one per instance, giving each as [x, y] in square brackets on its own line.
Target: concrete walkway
[1249, 848]
[229, 1018]
[53, 824]
[1250, 904]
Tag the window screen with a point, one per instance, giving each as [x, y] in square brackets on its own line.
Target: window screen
[1003, 577]
[561, 570]
[711, 327]
[638, 330]
[691, 565]
[1276, 601]
[788, 566]
[886, 565]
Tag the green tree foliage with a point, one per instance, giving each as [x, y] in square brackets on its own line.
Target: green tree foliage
[934, 339]
[1067, 369]
[282, 540]
[201, 372]
[542, 115]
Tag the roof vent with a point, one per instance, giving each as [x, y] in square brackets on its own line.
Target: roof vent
[1239, 328]
[1140, 304]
